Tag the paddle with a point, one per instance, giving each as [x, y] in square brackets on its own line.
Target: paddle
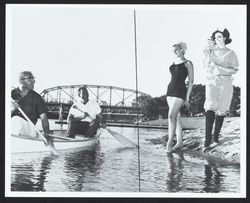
[123, 140]
[54, 151]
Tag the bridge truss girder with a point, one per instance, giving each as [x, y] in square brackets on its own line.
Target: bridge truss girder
[112, 99]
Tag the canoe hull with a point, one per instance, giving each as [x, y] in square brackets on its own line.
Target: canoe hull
[24, 144]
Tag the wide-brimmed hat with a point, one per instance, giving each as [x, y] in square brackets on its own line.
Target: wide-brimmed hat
[225, 34]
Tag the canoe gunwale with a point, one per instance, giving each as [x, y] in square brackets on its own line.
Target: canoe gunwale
[25, 144]
[85, 139]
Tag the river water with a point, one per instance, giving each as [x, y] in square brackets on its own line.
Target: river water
[111, 167]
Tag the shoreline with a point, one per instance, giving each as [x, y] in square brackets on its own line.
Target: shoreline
[224, 154]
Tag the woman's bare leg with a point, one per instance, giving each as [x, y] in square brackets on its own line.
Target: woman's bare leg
[178, 133]
[174, 104]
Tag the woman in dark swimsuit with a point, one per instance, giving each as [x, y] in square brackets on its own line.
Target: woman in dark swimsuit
[178, 94]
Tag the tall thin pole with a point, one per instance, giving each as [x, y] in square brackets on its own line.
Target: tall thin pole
[137, 109]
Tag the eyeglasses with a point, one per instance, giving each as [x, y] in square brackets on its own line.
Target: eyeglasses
[29, 78]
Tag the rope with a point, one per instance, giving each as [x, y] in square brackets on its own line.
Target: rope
[137, 110]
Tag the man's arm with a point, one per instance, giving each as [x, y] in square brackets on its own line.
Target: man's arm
[45, 123]
[71, 117]
[14, 106]
[101, 120]
[76, 117]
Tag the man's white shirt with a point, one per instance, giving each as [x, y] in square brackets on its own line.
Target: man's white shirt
[91, 107]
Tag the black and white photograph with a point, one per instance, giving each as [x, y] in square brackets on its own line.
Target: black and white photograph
[125, 100]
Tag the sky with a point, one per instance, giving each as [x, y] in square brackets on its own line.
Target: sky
[95, 44]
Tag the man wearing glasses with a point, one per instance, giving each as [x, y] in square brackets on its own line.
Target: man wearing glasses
[32, 105]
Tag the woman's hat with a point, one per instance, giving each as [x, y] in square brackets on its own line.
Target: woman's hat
[225, 34]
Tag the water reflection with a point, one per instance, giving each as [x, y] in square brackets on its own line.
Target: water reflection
[20, 181]
[24, 175]
[213, 179]
[32, 172]
[110, 167]
[81, 168]
[174, 172]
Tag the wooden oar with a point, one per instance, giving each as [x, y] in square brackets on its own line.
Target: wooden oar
[125, 141]
[37, 130]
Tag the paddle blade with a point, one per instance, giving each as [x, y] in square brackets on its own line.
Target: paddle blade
[123, 140]
[53, 150]
[51, 146]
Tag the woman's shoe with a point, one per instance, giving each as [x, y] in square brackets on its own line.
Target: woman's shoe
[205, 149]
[214, 144]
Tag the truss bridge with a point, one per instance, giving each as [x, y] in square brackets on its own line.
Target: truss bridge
[117, 104]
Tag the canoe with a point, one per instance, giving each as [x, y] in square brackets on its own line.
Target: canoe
[24, 144]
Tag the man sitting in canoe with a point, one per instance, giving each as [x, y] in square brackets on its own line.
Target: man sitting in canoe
[31, 103]
[84, 116]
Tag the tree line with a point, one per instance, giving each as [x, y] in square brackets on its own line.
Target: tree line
[156, 107]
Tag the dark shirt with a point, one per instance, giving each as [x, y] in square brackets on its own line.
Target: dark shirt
[32, 104]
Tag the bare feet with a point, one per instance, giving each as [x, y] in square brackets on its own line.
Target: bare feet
[177, 147]
[169, 148]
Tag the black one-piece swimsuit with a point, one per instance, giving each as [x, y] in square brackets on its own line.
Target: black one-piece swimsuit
[177, 86]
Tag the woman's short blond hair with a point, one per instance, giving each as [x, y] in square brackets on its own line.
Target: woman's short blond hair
[182, 46]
